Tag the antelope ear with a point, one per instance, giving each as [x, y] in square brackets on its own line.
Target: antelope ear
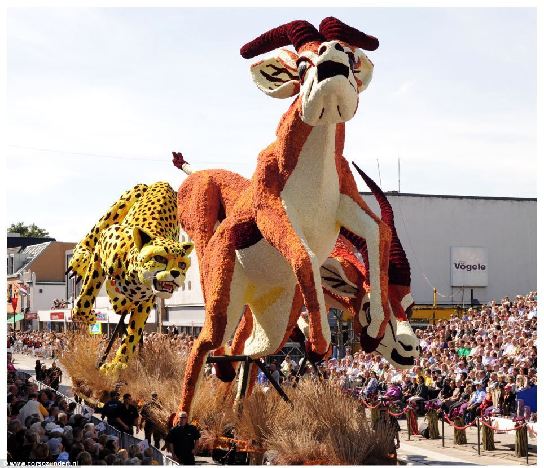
[277, 76]
[140, 237]
[362, 70]
[334, 279]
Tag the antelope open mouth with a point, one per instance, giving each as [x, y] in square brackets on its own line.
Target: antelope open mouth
[164, 286]
[330, 68]
[402, 360]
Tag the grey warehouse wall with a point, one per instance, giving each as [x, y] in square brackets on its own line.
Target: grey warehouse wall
[429, 225]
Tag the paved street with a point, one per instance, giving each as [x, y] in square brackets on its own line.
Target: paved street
[421, 451]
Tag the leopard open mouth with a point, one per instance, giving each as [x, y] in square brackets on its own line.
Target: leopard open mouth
[164, 286]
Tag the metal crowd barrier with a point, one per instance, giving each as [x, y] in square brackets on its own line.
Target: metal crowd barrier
[125, 440]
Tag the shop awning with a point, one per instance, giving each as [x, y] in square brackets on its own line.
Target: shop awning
[18, 317]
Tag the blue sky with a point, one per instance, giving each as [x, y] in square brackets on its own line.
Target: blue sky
[98, 98]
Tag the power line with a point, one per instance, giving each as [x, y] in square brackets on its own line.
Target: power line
[94, 155]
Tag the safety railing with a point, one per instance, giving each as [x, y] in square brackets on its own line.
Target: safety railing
[521, 425]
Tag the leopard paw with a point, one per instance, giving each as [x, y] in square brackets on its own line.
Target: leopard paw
[113, 367]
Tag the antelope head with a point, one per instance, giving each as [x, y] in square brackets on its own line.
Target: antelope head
[327, 72]
[399, 344]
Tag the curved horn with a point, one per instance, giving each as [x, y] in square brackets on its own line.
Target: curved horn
[399, 268]
[333, 28]
[296, 33]
[385, 207]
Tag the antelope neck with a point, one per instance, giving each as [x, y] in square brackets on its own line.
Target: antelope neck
[292, 136]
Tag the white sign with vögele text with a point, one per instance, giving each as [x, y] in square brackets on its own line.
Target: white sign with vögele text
[469, 266]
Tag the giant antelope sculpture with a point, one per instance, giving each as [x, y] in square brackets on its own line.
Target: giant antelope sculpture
[344, 276]
[267, 251]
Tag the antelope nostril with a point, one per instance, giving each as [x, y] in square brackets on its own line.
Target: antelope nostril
[322, 50]
[175, 273]
[337, 46]
[406, 347]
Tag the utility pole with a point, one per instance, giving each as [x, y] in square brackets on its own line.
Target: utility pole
[159, 309]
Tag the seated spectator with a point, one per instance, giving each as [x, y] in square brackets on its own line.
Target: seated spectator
[371, 388]
[422, 391]
[475, 400]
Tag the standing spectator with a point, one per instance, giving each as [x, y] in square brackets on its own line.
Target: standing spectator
[288, 367]
[128, 414]
[371, 387]
[111, 410]
[150, 430]
[55, 376]
[275, 372]
[38, 370]
[32, 407]
[181, 440]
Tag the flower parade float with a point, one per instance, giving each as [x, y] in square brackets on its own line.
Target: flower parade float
[344, 279]
[267, 252]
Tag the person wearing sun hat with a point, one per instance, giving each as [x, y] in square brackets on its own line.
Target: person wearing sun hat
[55, 446]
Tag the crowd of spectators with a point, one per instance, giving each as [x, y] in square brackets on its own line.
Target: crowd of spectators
[180, 342]
[43, 426]
[472, 363]
[36, 343]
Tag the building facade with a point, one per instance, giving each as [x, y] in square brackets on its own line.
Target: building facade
[35, 279]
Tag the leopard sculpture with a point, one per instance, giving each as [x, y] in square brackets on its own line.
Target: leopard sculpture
[134, 248]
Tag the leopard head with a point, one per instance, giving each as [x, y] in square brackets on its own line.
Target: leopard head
[161, 263]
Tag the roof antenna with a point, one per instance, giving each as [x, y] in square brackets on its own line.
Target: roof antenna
[398, 170]
[379, 173]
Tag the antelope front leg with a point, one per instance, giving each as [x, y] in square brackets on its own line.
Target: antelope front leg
[357, 218]
[280, 231]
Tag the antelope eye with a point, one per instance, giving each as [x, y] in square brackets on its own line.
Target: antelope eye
[351, 59]
[160, 259]
[302, 68]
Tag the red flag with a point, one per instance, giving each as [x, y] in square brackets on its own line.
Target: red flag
[14, 300]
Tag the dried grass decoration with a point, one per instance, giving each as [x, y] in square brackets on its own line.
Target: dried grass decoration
[144, 374]
[324, 426]
[431, 417]
[488, 435]
[459, 435]
[522, 443]
[374, 414]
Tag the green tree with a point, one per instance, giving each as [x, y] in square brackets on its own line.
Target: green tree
[28, 231]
